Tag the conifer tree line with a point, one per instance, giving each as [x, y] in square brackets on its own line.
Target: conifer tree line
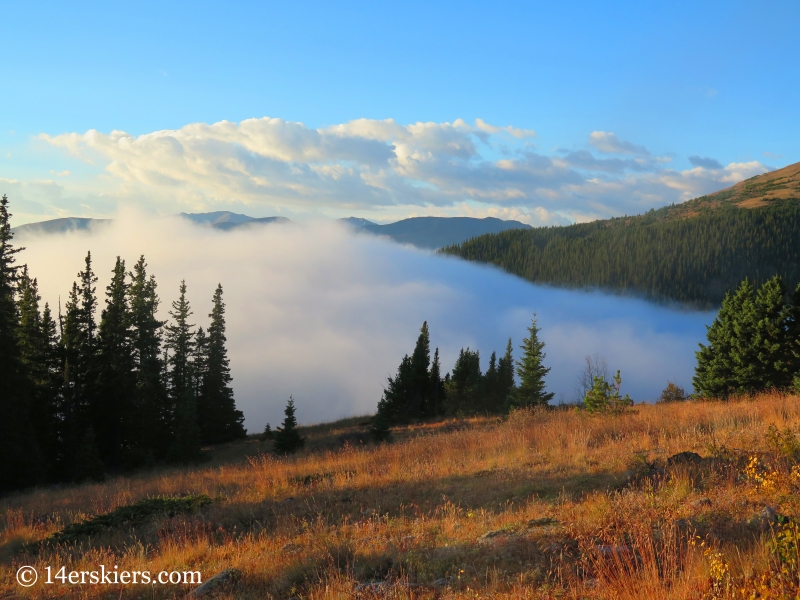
[101, 384]
[693, 260]
[753, 343]
[419, 390]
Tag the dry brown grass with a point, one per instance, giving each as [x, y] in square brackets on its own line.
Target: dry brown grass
[544, 504]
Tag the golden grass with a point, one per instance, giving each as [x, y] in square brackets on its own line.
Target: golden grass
[544, 504]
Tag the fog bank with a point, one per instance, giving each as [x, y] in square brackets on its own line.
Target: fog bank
[321, 313]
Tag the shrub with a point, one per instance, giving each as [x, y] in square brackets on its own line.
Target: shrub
[604, 396]
[673, 393]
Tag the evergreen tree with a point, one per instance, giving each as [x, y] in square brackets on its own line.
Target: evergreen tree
[793, 338]
[437, 393]
[113, 409]
[505, 375]
[79, 346]
[219, 419]
[38, 351]
[714, 371]
[394, 404]
[287, 439]
[86, 463]
[180, 340]
[267, 434]
[491, 381]
[380, 427]
[605, 397]
[464, 389]
[741, 357]
[770, 336]
[20, 462]
[151, 420]
[419, 389]
[185, 446]
[531, 371]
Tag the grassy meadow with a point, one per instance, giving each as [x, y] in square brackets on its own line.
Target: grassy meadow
[543, 504]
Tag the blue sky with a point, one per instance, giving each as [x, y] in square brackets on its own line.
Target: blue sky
[607, 103]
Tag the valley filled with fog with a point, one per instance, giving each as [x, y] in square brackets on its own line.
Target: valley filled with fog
[325, 314]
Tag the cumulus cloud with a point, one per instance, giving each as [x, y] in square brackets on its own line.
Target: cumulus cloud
[326, 315]
[706, 163]
[374, 168]
[608, 143]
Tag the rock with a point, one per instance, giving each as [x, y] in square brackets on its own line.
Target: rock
[700, 503]
[543, 522]
[607, 551]
[367, 512]
[491, 534]
[684, 458]
[345, 499]
[764, 520]
[440, 582]
[220, 580]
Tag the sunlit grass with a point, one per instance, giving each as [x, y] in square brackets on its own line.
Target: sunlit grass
[543, 504]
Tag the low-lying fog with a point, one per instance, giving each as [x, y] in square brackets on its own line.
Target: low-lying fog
[325, 314]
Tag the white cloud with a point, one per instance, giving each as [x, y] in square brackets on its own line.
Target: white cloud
[373, 168]
[326, 315]
[609, 143]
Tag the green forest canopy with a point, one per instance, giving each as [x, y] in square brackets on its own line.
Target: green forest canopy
[692, 252]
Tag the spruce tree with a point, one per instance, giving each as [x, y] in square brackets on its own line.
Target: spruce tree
[770, 336]
[738, 339]
[20, 461]
[437, 393]
[464, 388]
[39, 354]
[380, 426]
[505, 375]
[114, 410]
[219, 419]
[79, 346]
[793, 338]
[491, 381]
[180, 341]
[287, 439]
[531, 371]
[394, 404]
[151, 420]
[419, 386]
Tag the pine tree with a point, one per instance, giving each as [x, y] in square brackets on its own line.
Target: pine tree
[505, 375]
[793, 338]
[770, 336]
[86, 463]
[419, 386]
[437, 393]
[113, 410]
[738, 338]
[287, 439]
[185, 446]
[380, 427]
[151, 420]
[531, 371]
[394, 403]
[267, 434]
[38, 351]
[464, 389]
[79, 346]
[20, 462]
[219, 419]
[180, 340]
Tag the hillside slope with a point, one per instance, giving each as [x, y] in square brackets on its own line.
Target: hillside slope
[435, 232]
[692, 252]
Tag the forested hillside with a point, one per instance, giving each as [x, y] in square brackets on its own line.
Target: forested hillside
[693, 252]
